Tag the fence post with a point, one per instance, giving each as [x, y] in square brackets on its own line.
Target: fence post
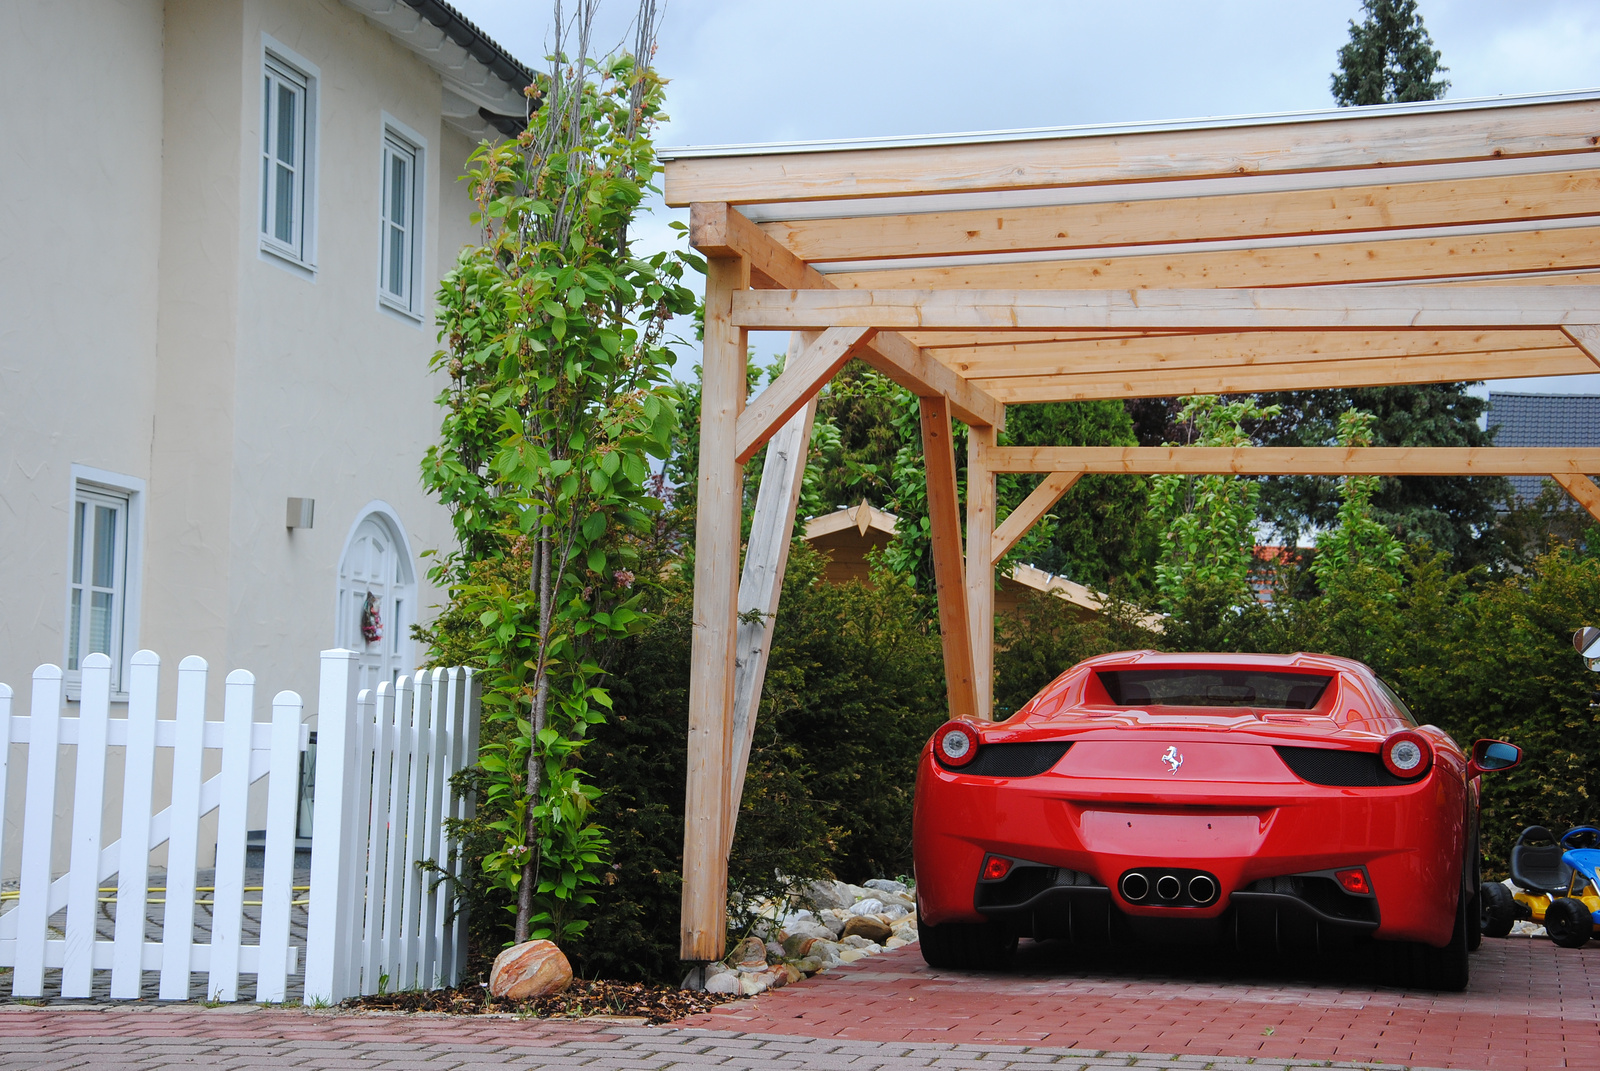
[472, 692]
[38, 826]
[332, 935]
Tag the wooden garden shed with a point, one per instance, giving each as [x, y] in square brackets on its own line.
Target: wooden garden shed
[1420, 243]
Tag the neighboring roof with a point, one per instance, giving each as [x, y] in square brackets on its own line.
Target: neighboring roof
[866, 518]
[1543, 420]
[483, 82]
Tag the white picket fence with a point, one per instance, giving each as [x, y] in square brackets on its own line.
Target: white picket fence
[374, 915]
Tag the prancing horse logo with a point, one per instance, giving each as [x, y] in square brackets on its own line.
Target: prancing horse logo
[1172, 759]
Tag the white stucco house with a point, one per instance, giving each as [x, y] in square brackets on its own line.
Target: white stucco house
[221, 226]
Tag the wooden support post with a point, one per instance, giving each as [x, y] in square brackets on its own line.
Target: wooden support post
[1580, 487]
[720, 490]
[1026, 515]
[944, 529]
[765, 558]
[980, 565]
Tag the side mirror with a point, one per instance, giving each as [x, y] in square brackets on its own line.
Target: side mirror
[1490, 756]
[1587, 642]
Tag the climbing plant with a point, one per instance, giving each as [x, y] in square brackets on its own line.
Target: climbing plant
[559, 396]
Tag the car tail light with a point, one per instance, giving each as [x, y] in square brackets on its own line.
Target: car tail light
[1353, 881]
[996, 867]
[956, 743]
[1407, 755]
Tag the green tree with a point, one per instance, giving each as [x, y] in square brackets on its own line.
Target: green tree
[1208, 522]
[1389, 59]
[1357, 550]
[558, 398]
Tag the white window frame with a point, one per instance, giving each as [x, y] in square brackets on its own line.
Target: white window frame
[399, 140]
[282, 67]
[91, 487]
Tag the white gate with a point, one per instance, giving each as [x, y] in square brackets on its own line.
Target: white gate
[382, 798]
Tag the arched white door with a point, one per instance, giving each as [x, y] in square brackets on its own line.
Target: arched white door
[377, 599]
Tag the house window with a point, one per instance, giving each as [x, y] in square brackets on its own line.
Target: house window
[286, 148]
[402, 189]
[97, 601]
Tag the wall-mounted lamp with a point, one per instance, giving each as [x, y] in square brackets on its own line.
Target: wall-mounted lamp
[300, 512]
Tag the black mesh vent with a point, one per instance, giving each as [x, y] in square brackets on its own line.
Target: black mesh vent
[1015, 760]
[1337, 768]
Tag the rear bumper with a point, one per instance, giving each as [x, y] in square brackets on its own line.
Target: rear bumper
[1409, 838]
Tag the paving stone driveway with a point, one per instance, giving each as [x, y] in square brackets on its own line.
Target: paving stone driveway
[1532, 1007]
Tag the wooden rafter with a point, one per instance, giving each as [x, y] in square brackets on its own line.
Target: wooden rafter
[1269, 214]
[1227, 378]
[1370, 308]
[717, 230]
[1389, 258]
[1587, 339]
[1582, 489]
[1286, 146]
[1299, 460]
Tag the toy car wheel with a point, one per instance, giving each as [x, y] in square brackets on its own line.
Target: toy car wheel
[1569, 923]
[965, 946]
[1495, 909]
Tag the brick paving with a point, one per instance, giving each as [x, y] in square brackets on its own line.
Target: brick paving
[1532, 1007]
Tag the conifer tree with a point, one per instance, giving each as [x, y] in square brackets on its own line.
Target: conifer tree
[1390, 58]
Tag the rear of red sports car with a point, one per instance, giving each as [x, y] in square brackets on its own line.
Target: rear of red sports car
[1264, 801]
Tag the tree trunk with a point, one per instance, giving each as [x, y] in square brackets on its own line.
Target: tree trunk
[541, 695]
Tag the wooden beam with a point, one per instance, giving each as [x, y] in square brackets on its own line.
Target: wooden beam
[718, 230]
[980, 566]
[1208, 351]
[1365, 307]
[712, 654]
[1582, 489]
[1325, 373]
[1027, 514]
[1587, 339]
[1251, 147]
[804, 373]
[1393, 258]
[766, 557]
[1299, 460]
[944, 530]
[1238, 216]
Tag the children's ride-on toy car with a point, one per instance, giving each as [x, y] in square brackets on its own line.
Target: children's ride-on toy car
[1556, 886]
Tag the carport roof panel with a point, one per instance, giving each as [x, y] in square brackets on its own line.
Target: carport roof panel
[1042, 158]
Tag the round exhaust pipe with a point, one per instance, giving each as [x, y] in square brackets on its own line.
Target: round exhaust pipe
[1202, 890]
[1168, 886]
[1135, 887]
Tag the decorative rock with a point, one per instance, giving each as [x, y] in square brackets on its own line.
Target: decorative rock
[870, 906]
[892, 912]
[810, 929]
[808, 964]
[774, 950]
[531, 969]
[850, 955]
[868, 926]
[895, 900]
[885, 885]
[827, 952]
[829, 894]
[859, 943]
[791, 973]
[835, 920]
[749, 955]
[726, 984]
[896, 942]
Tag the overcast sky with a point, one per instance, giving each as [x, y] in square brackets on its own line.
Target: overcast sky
[760, 70]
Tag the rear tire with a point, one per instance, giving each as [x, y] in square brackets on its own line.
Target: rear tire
[1447, 968]
[1496, 909]
[965, 946]
[1569, 923]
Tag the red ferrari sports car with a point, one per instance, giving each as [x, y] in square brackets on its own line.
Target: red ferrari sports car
[1274, 801]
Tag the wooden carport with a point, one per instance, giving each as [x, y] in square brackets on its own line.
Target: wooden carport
[1440, 242]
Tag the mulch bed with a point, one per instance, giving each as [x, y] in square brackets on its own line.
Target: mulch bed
[655, 1003]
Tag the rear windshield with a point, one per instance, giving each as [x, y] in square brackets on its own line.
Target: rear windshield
[1213, 688]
